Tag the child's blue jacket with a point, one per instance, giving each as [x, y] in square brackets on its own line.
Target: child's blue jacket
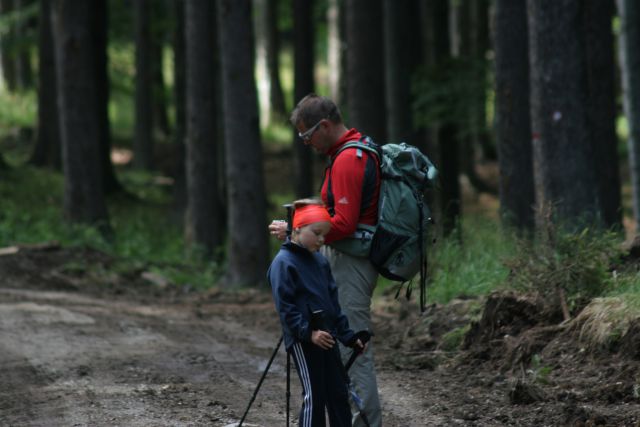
[301, 283]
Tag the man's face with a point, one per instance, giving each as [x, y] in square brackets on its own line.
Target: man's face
[315, 136]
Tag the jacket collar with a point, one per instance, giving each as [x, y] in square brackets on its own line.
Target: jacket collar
[350, 135]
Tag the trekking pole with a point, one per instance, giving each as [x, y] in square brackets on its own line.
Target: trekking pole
[289, 208]
[318, 322]
[364, 336]
[288, 384]
[264, 374]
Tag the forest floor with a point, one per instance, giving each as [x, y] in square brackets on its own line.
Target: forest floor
[82, 345]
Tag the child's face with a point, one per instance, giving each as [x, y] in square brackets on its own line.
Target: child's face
[312, 236]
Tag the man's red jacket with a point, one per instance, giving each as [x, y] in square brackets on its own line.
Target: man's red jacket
[355, 184]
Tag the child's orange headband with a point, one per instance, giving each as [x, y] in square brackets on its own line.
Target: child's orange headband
[309, 214]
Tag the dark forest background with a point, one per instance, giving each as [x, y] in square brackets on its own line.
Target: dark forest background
[157, 130]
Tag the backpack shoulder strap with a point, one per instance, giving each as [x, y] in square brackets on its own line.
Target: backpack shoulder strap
[365, 143]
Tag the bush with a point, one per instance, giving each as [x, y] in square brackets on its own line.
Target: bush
[576, 263]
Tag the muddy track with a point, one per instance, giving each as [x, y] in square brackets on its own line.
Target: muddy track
[74, 352]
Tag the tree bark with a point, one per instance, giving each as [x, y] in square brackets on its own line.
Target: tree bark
[47, 150]
[598, 16]
[203, 228]
[157, 33]
[335, 50]
[629, 11]
[248, 248]
[398, 50]
[366, 104]
[100, 33]
[24, 68]
[303, 84]
[7, 53]
[262, 72]
[513, 126]
[561, 144]
[179, 86]
[446, 131]
[271, 97]
[276, 95]
[143, 138]
[78, 109]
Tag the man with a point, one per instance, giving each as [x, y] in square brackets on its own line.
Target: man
[350, 191]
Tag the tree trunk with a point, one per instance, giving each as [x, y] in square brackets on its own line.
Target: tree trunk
[513, 126]
[365, 64]
[203, 228]
[629, 11]
[100, 39]
[47, 150]
[179, 72]
[24, 69]
[262, 72]
[276, 95]
[271, 97]
[7, 53]
[78, 109]
[600, 65]
[446, 131]
[160, 116]
[335, 48]
[559, 90]
[248, 248]
[478, 46]
[143, 138]
[398, 50]
[158, 29]
[469, 20]
[304, 54]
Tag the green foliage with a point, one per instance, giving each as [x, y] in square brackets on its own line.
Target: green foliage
[446, 93]
[17, 111]
[145, 237]
[278, 134]
[452, 340]
[19, 17]
[121, 80]
[539, 373]
[578, 263]
[471, 267]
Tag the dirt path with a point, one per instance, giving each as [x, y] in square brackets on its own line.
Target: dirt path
[68, 359]
[147, 358]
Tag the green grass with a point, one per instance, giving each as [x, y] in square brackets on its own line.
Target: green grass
[473, 267]
[17, 110]
[145, 235]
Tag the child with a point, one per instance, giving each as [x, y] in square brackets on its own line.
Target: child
[302, 284]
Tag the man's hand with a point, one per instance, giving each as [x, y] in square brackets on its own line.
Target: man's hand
[278, 228]
[322, 339]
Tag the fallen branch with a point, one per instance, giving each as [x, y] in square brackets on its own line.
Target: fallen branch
[44, 246]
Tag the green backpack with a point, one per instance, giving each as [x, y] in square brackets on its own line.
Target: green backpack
[396, 246]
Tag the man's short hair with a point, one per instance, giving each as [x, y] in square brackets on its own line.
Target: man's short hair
[313, 108]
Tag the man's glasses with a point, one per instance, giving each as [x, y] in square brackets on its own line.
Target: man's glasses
[308, 134]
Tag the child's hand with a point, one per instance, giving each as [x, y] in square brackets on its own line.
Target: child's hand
[322, 339]
[359, 346]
